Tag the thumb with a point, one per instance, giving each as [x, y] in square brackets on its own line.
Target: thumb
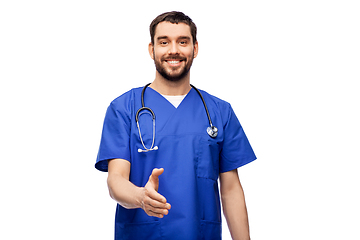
[157, 172]
[154, 177]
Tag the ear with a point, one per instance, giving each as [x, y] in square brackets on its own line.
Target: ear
[196, 49]
[151, 50]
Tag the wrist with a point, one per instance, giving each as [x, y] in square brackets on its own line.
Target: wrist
[139, 197]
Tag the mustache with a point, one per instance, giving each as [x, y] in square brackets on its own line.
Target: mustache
[178, 58]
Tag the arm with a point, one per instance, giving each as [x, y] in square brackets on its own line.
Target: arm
[233, 201]
[130, 196]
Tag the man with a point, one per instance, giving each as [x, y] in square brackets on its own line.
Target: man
[164, 178]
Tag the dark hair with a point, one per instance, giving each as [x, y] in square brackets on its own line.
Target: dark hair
[173, 17]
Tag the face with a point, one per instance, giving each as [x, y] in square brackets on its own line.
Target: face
[173, 50]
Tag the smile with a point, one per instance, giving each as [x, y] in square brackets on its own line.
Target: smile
[173, 62]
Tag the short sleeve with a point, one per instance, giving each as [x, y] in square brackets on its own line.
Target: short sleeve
[115, 140]
[236, 150]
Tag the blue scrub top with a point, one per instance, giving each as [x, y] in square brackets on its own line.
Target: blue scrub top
[191, 158]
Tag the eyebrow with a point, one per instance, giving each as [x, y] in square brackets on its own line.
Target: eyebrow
[166, 37]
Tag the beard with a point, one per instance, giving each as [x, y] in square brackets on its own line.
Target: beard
[173, 74]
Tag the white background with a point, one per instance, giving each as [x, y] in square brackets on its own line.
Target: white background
[290, 69]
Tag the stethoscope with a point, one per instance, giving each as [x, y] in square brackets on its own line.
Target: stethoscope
[211, 130]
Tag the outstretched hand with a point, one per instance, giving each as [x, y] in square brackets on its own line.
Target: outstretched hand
[153, 203]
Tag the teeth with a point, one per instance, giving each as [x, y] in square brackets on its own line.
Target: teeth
[173, 62]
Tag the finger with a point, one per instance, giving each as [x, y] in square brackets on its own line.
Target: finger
[156, 172]
[154, 177]
[152, 214]
[157, 204]
[160, 214]
[153, 194]
[157, 210]
[150, 210]
[154, 208]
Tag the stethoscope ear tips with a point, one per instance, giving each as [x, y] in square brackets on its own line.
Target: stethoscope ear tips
[147, 150]
[212, 131]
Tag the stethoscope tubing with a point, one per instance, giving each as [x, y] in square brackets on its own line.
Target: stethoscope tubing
[202, 99]
[212, 130]
[141, 109]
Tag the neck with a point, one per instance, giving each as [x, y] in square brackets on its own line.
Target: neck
[172, 88]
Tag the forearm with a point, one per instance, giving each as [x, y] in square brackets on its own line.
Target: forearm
[236, 215]
[233, 201]
[124, 192]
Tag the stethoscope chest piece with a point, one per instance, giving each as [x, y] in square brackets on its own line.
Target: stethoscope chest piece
[212, 131]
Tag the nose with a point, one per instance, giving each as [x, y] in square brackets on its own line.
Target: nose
[173, 49]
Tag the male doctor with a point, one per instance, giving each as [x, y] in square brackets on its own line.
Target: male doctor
[171, 191]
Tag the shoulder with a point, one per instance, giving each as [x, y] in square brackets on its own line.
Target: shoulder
[215, 102]
[127, 95]
[219, 108]
[126, 99]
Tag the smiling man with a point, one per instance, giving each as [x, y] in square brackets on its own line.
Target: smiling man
[175, 50]
[163, 171]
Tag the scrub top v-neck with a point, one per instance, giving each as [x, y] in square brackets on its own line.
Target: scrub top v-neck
[174, 100]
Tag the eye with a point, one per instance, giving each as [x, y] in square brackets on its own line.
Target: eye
[163, 43]
[183, 42]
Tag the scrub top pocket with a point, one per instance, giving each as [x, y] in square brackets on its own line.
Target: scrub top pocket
[210, 230]
[208, 159]
[137, 231]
